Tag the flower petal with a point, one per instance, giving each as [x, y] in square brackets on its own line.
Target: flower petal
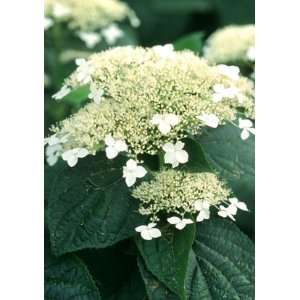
[111, 152]
[140, 172]
[146, 235]
[245, 134]
[182, 156]
[168, 147]
[155, 233]
[130, 180]
[141, 228]
[173, 220]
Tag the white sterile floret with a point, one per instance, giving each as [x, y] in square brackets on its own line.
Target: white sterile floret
[251, 53]
[165, 51]
[47, 23]
[165, 122]
[71, 156]
[53, 153]
[132, 171]
[209, 120]
[60, 11]
[83, 71]
[96, 93]
[64, 91]
[233, 72]
[238, 204]
[114, 147]
[247, 127]
[229, 212]
[175, 154]
[148, 232]
[91, 39]
[220, 92]
[54, 140]
[112, 33]
[203, 208]
[179, 223]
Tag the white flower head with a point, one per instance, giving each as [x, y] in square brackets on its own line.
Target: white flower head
[246, 126]
[53, 153]
[71, 156]
[251, 54]
[179, 223]
[220, 92]
[203, 208]
[60, 11]
[91, 39]
[48, 23]
[114, 147]
[64, 91]
[209, 120]
[175, 154]
[233, 72]
[238, 204]
[165, 51]
[112, 33]
[229, 212]
[165, 122]
[55, 140]
[148, 232]
[96, 93]
[132, 171]
[83, 71]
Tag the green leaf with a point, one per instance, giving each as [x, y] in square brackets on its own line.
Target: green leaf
[68, 278]
[195, 283]
[90, 206]
[234, 160]
[77, 96]
[155, 289]
[226, 258]
[192, 41]
[167, 257]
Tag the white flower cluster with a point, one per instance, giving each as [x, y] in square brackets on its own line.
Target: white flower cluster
[149, 232]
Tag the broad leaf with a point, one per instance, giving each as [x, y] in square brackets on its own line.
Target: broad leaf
[156, 290]
[167, 257]
[90, 206]
[192, 41]
[234, 160]
[226, 258]
[68, 278]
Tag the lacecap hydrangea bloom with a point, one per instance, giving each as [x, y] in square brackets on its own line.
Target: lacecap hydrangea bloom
[87, 17]
[145, 101]
[231, 45]
[148, 101]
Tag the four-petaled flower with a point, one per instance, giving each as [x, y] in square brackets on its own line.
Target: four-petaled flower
[232, 72]
[112, 33]
[71, 156]
[175, 154]
[238, 204]
[209, 120]
[83, 71]
[96, 93]
[246, 126]
[91, 39]
[114, 147]
[148, 232]
[229, 211]
[179, 223]
[165, 122]
[64, 91]
[54, 140]
[251, 53]
[132, 171]
[165, 51]
[220, 92]
[203, 208]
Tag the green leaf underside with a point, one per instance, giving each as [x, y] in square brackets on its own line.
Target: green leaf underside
[90, 206]
[167, 257]
[234, 160]
[68, 278]
[226, 258]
